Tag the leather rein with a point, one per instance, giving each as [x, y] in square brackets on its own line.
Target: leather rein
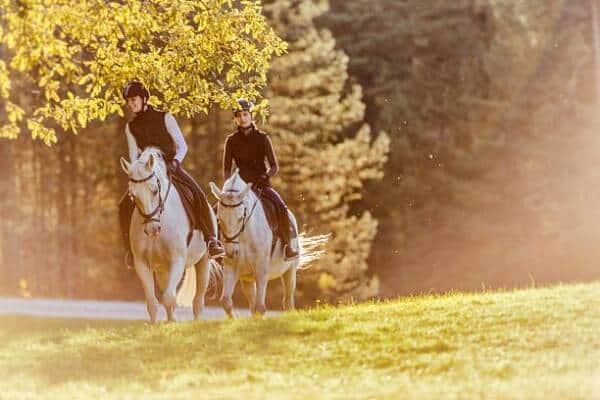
[153, 216]
[245, 218]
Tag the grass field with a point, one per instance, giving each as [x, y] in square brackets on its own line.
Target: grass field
[529, 344]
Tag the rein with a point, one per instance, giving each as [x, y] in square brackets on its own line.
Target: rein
[232, 239]
[151, 217]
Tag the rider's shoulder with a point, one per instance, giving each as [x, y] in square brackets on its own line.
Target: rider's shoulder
[231, 135]
[263, 133]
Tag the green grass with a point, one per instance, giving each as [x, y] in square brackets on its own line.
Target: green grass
[530, 344]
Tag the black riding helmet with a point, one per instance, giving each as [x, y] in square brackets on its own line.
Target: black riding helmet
[135, 88]
[243, 105]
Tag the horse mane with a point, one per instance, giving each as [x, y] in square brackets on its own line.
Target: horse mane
[159, 157]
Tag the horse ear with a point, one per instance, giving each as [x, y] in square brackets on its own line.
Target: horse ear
[125, 165]
[150, 162]
[215, 190]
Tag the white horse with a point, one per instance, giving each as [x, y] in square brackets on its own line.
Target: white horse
[158, 234]
[248, 241]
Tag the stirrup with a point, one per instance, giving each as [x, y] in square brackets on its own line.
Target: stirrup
[289, 253]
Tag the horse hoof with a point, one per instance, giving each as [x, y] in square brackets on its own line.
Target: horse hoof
[227, 304]
[261, 310]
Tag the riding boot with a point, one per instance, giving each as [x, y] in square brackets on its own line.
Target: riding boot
[208, 226]
[289, 252]
[287, 233]
[126, 208]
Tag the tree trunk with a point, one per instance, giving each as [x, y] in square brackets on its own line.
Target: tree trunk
[596, 31]
[62, 227]
[75, 268]
[39, 222]
[9, 236]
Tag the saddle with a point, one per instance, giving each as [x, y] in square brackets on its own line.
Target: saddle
[188, 198]
[270, 209]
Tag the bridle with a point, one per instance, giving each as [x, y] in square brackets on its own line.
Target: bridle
[245, 218]
[153, 216]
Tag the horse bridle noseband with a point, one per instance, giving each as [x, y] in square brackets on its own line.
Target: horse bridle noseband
[233, 239]
[152, 216]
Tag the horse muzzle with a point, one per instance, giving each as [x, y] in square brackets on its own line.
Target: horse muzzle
[152, 229]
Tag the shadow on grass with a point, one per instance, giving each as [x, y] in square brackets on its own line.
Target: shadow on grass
[55, 352]
[16, 327]
[116, 354]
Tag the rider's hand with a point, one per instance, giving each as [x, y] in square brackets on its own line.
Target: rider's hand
[175, 164]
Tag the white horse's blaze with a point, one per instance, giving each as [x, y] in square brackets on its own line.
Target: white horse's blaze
[168, 250]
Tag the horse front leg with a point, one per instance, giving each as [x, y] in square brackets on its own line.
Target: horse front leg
[175, 275]
[249, 289]
[147, 278]
[170, 313]
[230, 278]
[262, 281]
[202, 279]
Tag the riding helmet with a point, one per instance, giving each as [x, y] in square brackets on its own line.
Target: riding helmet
[135, 88]
[243, 105]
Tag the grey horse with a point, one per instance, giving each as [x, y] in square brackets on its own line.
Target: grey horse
[159, 232]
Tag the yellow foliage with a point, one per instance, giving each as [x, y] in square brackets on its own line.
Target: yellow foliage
[79, 54]
[326, 282]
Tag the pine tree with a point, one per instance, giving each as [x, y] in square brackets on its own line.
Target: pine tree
[459, 85]
[325, 150]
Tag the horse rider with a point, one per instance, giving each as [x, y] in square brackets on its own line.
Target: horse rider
[250, 148]
[152, 128]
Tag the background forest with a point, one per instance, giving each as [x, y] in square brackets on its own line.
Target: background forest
[445, 145]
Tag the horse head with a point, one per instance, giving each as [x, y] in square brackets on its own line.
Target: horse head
[233, 211]
[148, 187]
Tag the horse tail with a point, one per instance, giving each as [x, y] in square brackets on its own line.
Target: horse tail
[186, 289]
[216, 278]
[312, 248]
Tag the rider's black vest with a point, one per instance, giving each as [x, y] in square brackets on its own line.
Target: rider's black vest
[149, 130]
[249, 153]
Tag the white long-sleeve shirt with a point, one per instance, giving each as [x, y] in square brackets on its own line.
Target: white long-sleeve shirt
[174, 131]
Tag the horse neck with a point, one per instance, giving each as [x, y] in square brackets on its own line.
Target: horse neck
[257, 217]
[174, 207]
[164, 180]
[250, 198]
[168, 192]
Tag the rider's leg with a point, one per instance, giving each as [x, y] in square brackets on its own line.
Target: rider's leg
[126, 208]
[207, 219]
[286, 229]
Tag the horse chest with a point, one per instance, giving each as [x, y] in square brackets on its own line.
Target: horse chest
[245, 265]
[157, 253]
